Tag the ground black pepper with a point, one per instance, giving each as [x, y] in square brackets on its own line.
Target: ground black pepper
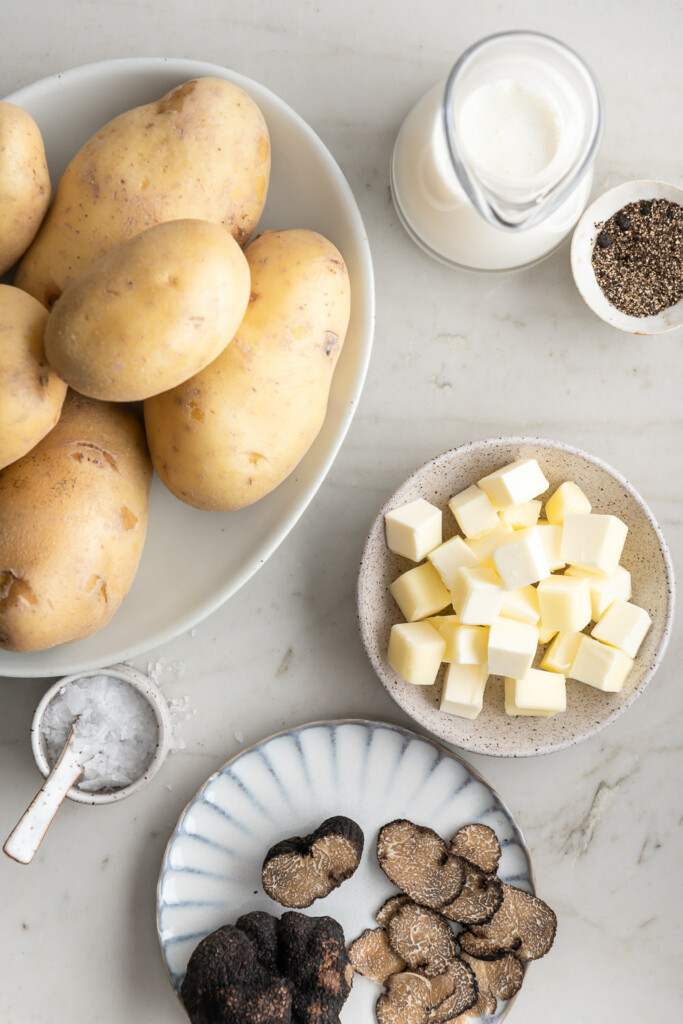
[640, 268]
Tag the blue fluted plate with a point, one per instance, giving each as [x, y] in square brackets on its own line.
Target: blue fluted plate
[287, 785]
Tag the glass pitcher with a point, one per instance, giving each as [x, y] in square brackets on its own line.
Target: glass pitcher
[492, 169]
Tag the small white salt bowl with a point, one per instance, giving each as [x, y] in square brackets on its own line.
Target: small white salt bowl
[162, 715]
[583, 241]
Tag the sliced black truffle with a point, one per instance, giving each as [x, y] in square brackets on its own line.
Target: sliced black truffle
[312, 957]
[479, 845]
[502, 978]
[523, 924]
[226, 984]
[408, 1000]
[388, 909]
[484, 949]
[485, 1003]
[417, 860]
[372, 956]
[453, 992]
[479, 899]
[302, 869]
[422, 938]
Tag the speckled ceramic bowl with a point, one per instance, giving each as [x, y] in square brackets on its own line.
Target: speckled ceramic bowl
[162, 715]
[583, 241]
[645, 555]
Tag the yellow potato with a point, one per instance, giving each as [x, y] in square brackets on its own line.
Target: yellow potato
[150, 313]
[31, 394]
[233, 432]
[24, 183]
[73, 517]
[201, 151]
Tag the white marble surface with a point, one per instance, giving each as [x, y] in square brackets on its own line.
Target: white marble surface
[456, 357]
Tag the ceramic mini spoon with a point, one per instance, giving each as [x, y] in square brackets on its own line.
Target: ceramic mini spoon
[28, 833]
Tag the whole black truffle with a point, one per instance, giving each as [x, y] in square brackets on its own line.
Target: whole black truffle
[226, 984]
[312, 956]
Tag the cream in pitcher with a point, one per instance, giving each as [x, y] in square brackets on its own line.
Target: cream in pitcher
[492, 169]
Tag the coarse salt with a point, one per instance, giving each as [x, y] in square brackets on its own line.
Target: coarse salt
[116, 727]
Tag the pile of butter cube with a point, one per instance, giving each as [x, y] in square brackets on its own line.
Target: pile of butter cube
[514, 581]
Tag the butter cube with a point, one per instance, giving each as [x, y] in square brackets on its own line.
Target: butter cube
[538, 693]
[451, 556]
[415, 652]
[520, 559]
[565, 603]
[463, 690]
[521, 604]
[474, 512]
[551, 539]
[561, 653]
[465, 645]
[514, 484]
[623, 625]
[604, 588]
[546, 635]
[521, 516]
[568, 499]
[593, 541]
[601, 666]
[483, 547]
[413, 530]
[512, 646]
[477, 596]
[438, 621]
[420, 592]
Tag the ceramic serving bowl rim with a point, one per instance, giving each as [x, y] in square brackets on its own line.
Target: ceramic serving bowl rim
[378, 664]
[583, 240]
[144, 685]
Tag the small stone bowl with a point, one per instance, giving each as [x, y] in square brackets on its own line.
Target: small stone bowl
[164, 732]
[589, 710]
[583, 241]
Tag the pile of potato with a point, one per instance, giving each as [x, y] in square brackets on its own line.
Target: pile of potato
[137, 285]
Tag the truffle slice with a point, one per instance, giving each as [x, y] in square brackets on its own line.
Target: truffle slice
[388, 909]
[481, 896]
[479, 845]
[312, 957]
[502, 978]
[226, 983]
[484, 949]
[417, 860]
[523, 924]
[373, 957]
[302, 869]
[422, 938]
[408, 1000]
[453, 992]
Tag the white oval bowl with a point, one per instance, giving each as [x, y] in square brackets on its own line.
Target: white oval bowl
[193, 561]
[583, 241]
[162, 714]
[645, 555]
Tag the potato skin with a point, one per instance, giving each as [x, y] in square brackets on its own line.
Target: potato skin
[24, 183]
[232, 433]
[150, 313]
[73, 517]
[202, 151]
[31, 393]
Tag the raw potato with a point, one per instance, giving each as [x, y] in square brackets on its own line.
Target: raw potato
[232, 433]
[150, 313]
[24, 183]
[73, 516]
[31, 394]
[201, 151]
